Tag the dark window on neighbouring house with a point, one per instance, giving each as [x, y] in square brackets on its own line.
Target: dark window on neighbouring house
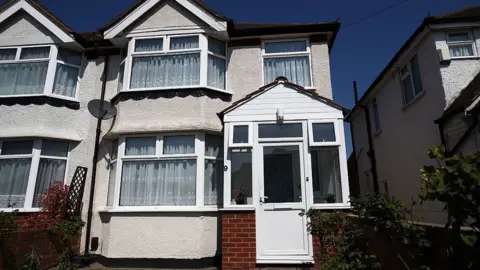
[411, 80]
[376, 117]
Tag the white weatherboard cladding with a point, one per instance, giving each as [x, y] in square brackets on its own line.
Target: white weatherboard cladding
[295, 106]
[167, 14]
[23, 29]
[459, 72]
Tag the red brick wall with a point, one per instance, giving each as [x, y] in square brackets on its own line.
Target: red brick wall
[238, 240]
[20, 243]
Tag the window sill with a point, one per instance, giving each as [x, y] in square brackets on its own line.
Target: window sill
[141, 209]
[414, 100]
[465, 57]
[20, 210]
[40, 99]
[195, 91]
[238, 208]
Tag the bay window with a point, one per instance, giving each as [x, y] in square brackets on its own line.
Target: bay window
[167, 62]
[184, 170]
[290, 59]
[39, 70]
[28, 168]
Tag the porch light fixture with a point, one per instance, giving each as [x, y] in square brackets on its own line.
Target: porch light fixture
[280, 115]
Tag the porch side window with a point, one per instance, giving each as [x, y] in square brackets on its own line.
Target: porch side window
[324, 153]
[290, 59]
[30, 165]
[241, 176]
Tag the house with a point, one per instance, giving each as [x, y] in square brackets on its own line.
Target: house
[224, 131]
[427, 95]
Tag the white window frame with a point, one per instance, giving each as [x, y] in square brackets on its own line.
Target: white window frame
[408, 65]
[289, 54]
[470, 41]
[199, 156]
[32, 178]
[312, 143]
[202, 50]
[250, 135]
[51, 71]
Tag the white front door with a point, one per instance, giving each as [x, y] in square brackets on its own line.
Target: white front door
[281, 232]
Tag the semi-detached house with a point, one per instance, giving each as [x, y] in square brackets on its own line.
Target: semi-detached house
[224, 131]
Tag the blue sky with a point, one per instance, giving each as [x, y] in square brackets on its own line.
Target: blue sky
[360, 52]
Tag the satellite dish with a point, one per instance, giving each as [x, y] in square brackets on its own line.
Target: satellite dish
[102, 109]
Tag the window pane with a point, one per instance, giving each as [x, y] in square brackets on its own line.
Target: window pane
[461, 50]
[240, 134]
[241, 177]
[54, 148]
[166, 182]
[458, 37]
[169, 70]
[323, 132]
[178, 145]
[140, 146]
[286, 46]
[281, 174]
[71, 57]
[295, 69]
[280, 130]
[111, 183]
[327, 186]
[121, 73]
[114, 149]
[408, 89]
[149, 45]
[23, 78]
[65, 80]
[7, 54]
[35, 53]
[216, 72]
[417, 78]
[17, 147]
[13, 181]
[375, 115]
[216, 46]
[213, 146]
[183, 43]
[213, 182]
[50, 171]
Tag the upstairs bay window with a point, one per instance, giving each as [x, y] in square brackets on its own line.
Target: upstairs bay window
[290, 59]
[39, 70]
[168, 62]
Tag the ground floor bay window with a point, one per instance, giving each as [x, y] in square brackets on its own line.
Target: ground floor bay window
[28, 168]
[168, 171]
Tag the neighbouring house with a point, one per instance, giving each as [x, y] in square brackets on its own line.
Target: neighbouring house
[427, 95]
[224, 132]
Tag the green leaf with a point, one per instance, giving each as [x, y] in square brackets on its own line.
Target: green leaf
[469, 239]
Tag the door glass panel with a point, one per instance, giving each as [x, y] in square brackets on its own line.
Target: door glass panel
[281, 174]
[280, 130]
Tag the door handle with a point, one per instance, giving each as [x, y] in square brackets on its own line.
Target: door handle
[262, 199]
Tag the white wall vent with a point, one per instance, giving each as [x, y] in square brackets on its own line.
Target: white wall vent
[443, 54]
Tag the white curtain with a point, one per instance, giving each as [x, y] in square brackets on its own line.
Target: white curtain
[148, 45]
[165, 182]
[216, 72]
[461, 50]
[183, 43]
[24, 78]
[140, 146]
[169, 70]
[327, 173]
[65, 80]
[285, 47]
[50, 171]
[213, 185]
[13, 181]
[179, 145]
[295, 69]
[7, 54]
